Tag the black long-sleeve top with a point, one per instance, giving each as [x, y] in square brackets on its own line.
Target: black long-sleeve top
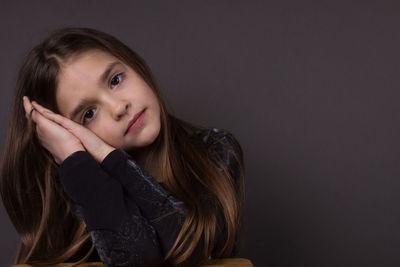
[120, 203]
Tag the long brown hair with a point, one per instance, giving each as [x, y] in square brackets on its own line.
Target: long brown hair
[34, 197]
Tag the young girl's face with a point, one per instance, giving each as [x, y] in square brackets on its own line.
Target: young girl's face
[97, 90]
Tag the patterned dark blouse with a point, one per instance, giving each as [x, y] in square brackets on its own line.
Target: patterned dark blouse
[124, 203]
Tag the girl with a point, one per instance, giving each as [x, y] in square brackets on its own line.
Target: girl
[93, 159]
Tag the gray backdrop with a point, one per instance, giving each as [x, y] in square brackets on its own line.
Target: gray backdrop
[308, 88]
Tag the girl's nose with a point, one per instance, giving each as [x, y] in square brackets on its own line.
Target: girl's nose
[119, 108]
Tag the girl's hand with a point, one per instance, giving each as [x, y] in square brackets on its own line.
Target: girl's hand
[62, 136]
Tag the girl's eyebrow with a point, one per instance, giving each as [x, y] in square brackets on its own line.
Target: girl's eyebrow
[104, 76]
[103, 79]
[82, 104]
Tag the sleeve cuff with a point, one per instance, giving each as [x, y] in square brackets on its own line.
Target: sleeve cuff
[112, 158]
[69, 162]
[115, 161]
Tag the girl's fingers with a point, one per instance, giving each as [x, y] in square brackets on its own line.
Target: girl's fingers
[66, 123]
[76, 129]
[40, 108]
[28, 107]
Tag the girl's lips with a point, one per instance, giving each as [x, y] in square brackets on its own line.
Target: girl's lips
[135, 122]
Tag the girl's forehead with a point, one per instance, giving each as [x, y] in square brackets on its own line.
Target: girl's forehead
[89, 58]
[86, 67]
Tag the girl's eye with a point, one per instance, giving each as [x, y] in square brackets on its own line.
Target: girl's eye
[115, 80]
[87, 112]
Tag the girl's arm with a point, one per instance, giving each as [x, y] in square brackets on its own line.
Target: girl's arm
[163, 213]
[121, 235]
[117, 209]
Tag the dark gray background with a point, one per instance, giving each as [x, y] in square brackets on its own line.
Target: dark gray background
[310, 89]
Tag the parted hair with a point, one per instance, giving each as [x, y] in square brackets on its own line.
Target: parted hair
[33, 194]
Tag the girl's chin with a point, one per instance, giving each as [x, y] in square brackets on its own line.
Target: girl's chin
[143, 137]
